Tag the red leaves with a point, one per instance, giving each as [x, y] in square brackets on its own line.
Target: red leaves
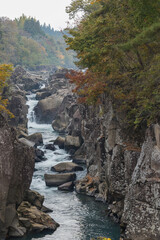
[88, 85]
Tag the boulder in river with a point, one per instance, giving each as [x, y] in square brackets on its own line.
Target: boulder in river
[39, 155]
[42, 95]
[69, 186]
[60, 142]
[72, 142]
[50, 146]
[55, 180]
[36, 138]
[46, 109]
[66, 167]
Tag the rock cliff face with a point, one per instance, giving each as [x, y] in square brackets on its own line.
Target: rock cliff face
[119, 171]
[127, 177]
[52, 96]
[21, 210]
[16, 169]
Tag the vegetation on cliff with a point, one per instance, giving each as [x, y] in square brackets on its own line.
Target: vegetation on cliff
[117, 42]
[25, 42]
[5, 72]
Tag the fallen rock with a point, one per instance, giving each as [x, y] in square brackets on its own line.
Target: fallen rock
[66, 167]
[35, 220]
[22, 134]
[79, 161]
[26, 142]
[34, 198]
[69, 186]
[46, 209]
[60, 142]
[46, 109]
[42, 95]
[39, 155]
[55, 180]
[36, 138]
[80, 155]
[50, 147]
[88, 186]
[72, 142]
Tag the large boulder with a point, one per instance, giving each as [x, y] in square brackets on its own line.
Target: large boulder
[42, 95]
[35, 220]
[72, 142]
[60, 142]
[63, 119]
[16, 170]
[50, 146]
[25, 80]
[36, 138]
[26, 142]
[34, 198]
[39, 155]
[55, 180]
[66, 167]
[46, 109]
[69, 186]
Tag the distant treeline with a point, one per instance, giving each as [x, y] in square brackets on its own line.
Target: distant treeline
[25, 42]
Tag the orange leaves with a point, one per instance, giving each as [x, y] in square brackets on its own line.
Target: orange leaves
[88, 85]
[95, 1]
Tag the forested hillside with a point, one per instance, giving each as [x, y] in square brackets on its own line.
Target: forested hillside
[118, 43]
[25, 42]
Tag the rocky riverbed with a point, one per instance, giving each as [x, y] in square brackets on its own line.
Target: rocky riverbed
[119, 171]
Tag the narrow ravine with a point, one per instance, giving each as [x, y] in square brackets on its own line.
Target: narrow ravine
[80, 217]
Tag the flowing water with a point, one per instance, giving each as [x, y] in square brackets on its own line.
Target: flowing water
[80, 217]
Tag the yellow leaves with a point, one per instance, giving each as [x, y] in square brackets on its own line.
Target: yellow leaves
[5, 72]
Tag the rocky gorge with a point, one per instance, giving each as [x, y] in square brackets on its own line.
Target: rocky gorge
[21, 210]
[120, 172]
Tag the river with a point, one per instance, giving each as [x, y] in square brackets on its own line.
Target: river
[80, 217]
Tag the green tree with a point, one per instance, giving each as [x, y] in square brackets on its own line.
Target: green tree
[119, 45]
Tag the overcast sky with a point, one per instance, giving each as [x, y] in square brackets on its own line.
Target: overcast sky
[49, 11]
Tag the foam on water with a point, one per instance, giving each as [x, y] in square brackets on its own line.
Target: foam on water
[80, 217]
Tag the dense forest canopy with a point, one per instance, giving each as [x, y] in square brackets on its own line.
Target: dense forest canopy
[24, 41]
[117, 41]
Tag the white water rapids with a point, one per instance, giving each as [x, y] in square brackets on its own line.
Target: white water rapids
[80, 217]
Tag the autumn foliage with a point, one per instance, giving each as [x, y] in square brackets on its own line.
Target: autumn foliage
[118, 43]
[5, 72]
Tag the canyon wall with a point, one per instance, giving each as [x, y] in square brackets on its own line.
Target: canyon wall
[123, 172]
[16, 170]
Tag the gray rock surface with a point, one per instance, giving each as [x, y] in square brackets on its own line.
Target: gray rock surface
[16, 170]
[69, 186]
[55, 180]
[36, 138]
[72, 142]
[121, 171]
[60, 142]
[142, 202]
[35, 220]
[47, 109]
[66, 167]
